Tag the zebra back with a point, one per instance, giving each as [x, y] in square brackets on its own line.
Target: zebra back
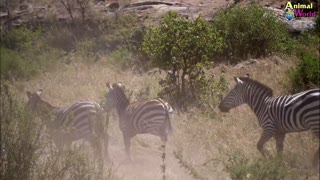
[289, 113]
[140, 117]
[80, 120]
[246, 91]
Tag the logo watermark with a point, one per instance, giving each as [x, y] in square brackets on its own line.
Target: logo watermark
[299, 10]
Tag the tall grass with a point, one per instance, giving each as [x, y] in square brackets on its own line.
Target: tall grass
[28, 153]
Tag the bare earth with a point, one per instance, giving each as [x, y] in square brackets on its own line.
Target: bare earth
[146, 154]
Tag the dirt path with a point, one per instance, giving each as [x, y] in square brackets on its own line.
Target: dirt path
[146, 165]
[146, 154]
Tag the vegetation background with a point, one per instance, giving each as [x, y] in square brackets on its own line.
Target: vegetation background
[76, 49]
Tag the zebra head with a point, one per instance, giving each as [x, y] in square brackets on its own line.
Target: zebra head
[37, 105]
[34, 100]
[114, 96]
[235, 97]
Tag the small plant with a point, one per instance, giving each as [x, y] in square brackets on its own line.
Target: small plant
[306, 75]
[122, 58]
[240, 167]
[250, 31]
[87, 48]
[185, 164]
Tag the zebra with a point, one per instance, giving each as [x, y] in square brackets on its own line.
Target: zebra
[82, 120]
[276, 115]
[147, 117]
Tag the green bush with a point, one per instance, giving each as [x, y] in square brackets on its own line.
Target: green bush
[250, 31]
[183, 48]
[15, 66]
[210, 94]
[122, 58]
[25, 64]
[241, 168]
[21, 38]
[305, 42]
[61, 38]
[306, 75]
[24, 53]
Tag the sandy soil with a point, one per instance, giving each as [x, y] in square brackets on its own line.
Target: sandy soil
[146, 154]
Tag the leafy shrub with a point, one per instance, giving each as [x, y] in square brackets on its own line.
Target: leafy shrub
[61, 38]
[87, 48]
[240, 167]
[183, 48]
[250, 31]
[306, 75]
[305, 42]
[21, 38]
[210, 94]
[14, 66]
[122, 58]
[28, 63]
[24, 53]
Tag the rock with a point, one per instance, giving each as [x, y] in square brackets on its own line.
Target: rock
[147, 3]
[246, 63]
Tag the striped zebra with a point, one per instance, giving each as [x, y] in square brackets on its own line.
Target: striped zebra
[82, 120]
[276, 115]
[147, 117]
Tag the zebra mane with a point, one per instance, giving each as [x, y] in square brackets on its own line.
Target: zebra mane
[257, 84]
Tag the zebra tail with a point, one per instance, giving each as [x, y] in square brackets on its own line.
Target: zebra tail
[168, 112]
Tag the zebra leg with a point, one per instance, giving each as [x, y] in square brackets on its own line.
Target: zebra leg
[106, 137]
[164, 137]
[106, 146]
[96, 145]
[127, 143]
[279, 142]
[263, 139]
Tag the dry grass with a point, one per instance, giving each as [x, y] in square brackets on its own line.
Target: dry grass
[205, 144]
[209, 143]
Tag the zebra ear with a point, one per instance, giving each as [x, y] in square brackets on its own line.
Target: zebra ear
[109, 85]
[39, 92]
[238, 80]
[248, 75]
[119, 84]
